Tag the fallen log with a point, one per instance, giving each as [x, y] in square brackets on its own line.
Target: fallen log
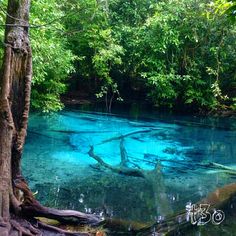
[123, 154]
[219, 199]
[117, 169]
[129, 134]
[220, 166]
[80, 132]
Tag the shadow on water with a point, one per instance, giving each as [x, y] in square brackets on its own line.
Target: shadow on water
[174, 155]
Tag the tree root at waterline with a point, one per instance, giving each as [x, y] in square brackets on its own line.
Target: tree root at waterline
[219, 199]
[23, 221]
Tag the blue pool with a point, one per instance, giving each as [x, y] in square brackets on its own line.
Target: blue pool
[172, 151]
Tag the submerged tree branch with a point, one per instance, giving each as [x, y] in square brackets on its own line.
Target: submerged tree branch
[120, 170]
[178, 223]
[123, 154]
[129, 134]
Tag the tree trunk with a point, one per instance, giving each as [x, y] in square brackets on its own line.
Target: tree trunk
[16, 199]
[15, 84]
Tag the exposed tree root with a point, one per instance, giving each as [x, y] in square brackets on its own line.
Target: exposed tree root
[64, 216]
[22, 227]
[24, 223]
[32, 208]
[61, 231]
[4, 228]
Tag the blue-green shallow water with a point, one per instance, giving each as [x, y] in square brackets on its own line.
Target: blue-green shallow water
[57, 164]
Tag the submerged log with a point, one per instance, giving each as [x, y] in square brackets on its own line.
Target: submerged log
[122, 136]
[220, 199]
[221, 167]
[186, 163]
[81, 132]
[117, 169]
[123, 154]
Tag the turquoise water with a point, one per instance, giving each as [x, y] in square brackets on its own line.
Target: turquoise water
[57, 165]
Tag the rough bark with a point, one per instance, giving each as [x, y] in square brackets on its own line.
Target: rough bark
[16, 199]
[15, 87]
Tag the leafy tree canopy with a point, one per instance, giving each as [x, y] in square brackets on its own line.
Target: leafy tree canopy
[173, 52]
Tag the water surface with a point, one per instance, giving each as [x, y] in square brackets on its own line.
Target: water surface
[172, 151]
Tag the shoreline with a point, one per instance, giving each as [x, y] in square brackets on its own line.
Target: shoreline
[69, 100]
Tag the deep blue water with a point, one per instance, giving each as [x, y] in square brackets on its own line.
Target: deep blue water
[57, 164]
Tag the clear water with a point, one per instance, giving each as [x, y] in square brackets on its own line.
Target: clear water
[58, 167]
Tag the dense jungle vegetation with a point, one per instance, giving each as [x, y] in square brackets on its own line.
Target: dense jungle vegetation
[169, 53]
[179, 55]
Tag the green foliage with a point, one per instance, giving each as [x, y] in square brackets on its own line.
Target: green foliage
[183, 45]
[52, 61]
[93, 42]
[179, 53]
[227, 7]
[185, 53]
